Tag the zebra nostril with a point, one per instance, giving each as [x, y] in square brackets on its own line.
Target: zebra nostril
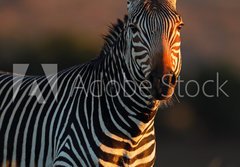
[166, 79]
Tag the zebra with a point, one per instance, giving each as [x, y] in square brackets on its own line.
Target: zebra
[109, 123]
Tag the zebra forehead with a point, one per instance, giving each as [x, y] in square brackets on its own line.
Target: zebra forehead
[157, 18]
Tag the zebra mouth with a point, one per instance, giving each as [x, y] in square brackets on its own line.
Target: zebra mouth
[163, 89]
[162, 92]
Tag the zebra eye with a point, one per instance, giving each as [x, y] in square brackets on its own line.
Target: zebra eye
[133, 28]
[180, 26]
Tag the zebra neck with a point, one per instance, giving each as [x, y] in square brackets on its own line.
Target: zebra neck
[121, 104]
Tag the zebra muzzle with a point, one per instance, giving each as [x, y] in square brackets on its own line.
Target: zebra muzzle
[163, 87]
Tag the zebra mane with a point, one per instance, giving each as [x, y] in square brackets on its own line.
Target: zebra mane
[114, 32]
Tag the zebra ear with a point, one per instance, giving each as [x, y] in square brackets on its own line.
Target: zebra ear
[173, 3]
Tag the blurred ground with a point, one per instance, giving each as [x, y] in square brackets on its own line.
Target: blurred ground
[194, 132]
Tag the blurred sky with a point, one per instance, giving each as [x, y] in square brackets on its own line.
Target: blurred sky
[210, 36]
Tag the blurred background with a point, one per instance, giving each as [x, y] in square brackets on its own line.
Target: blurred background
[194, 131]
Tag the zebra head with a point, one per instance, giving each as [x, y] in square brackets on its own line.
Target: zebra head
[154, 43]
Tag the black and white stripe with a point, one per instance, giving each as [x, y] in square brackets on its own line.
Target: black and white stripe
[79, 128]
